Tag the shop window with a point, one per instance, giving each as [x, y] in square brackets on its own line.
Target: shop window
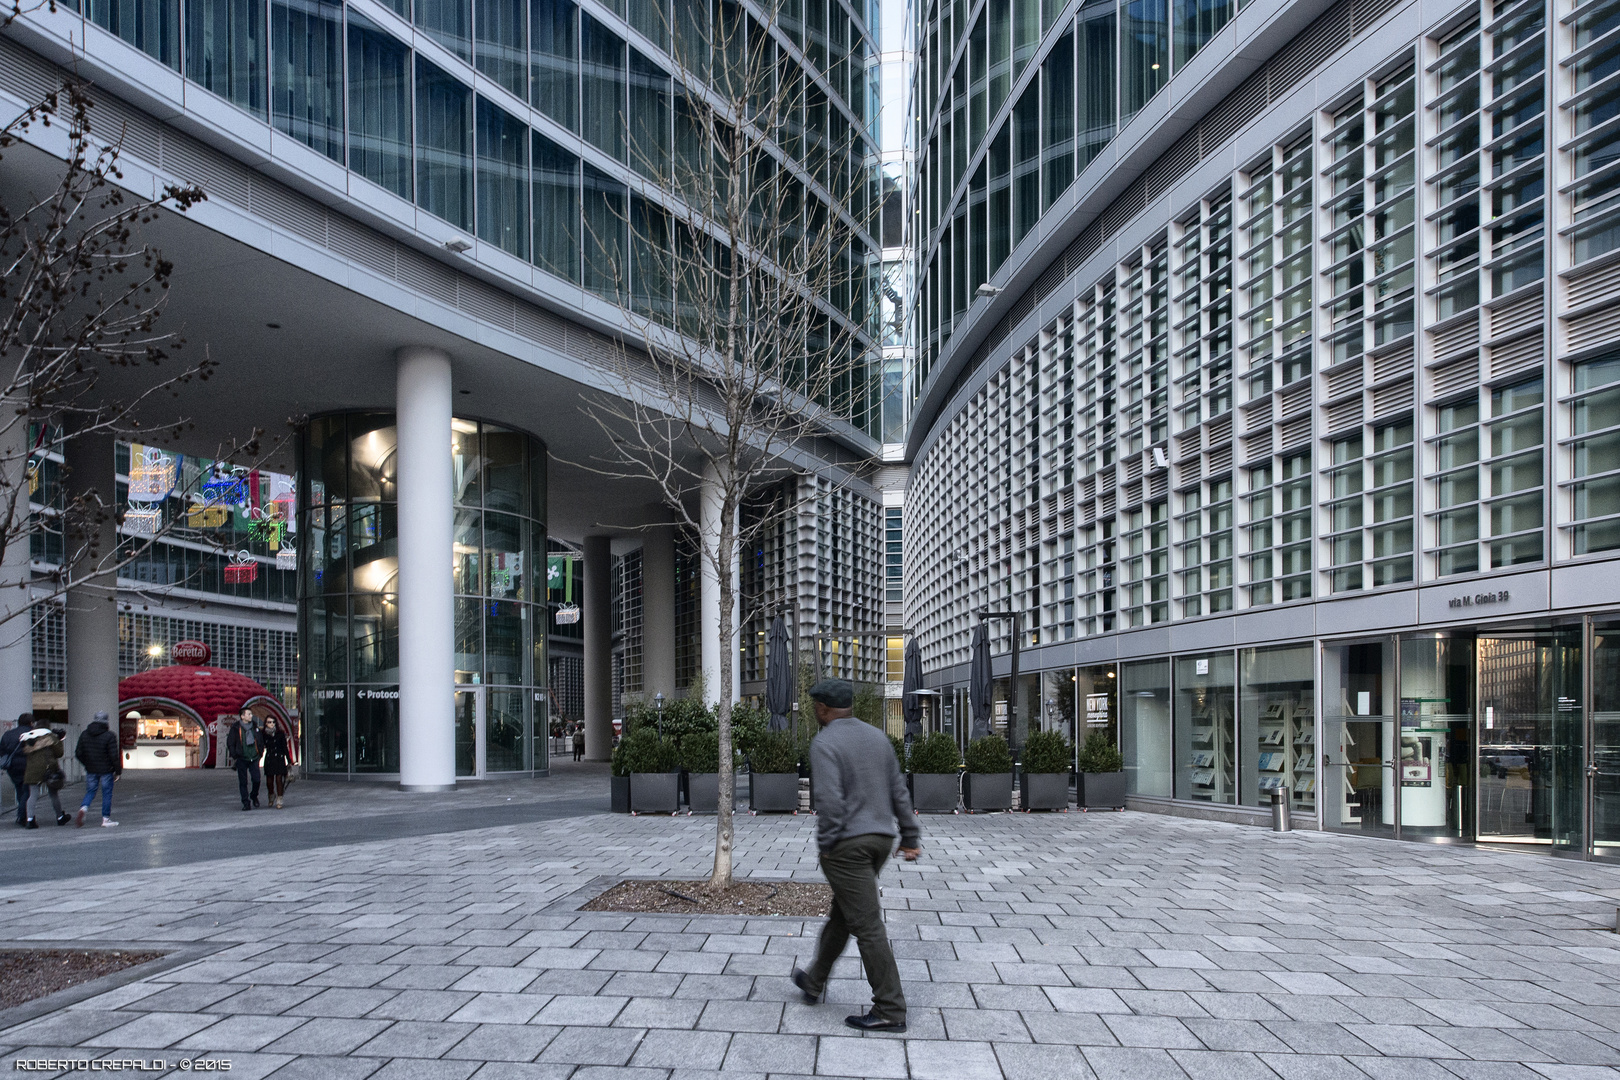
[1277, 726]
[1206, 734]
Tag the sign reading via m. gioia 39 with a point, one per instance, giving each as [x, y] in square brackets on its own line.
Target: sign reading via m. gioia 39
[1480, 599]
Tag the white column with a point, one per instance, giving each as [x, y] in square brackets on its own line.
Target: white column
[597, 617]
[712, 504]
[427, 733]
[92, 606]
[16, 641]
[658, 612]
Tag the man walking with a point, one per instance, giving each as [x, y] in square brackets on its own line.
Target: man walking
[103, 760]
[860, 798]
[15, 760]
[244, 747]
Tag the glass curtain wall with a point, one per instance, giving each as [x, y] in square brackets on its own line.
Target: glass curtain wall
[1277, 726]
[1206, 737]
[348, 593]
[1531, 738]
[1145, 728]
[306, 73]
[1605, 758]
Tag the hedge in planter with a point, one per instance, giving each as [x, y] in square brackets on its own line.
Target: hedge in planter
[700, 764]
[773, 773]
[652, 765]
[934, 765]
[1102, 776]
[619, 780]
[988, 775]
[1048, 757]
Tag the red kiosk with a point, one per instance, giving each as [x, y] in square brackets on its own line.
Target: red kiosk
[176, 717]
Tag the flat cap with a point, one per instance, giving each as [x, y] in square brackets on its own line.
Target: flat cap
[834, 693]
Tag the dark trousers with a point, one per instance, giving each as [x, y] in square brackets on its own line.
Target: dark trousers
[22, 791]
[245, 769]
[851, 867]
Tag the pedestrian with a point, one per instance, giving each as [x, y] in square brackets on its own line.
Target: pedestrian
[579, 742]
[861, 798]
[44, 748]
[103, 760]
[244, 747]
[277, 762]
[14, 759]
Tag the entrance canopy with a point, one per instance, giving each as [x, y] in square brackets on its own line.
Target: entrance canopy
[210, 696]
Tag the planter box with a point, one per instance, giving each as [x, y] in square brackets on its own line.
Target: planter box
[1045, 791]
[1101, 790]
[987, 791]
[655, 792]
[773, 793]
[933, 793]
[703, 792]
[620, 792]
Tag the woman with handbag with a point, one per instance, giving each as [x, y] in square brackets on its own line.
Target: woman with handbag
[277, 761]
[44, 749]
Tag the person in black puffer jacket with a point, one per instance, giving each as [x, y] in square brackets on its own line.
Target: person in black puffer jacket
[12, 753]
[103, 760]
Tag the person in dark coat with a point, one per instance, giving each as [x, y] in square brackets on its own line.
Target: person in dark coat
[277, 762]
[244, 747]
[11, 752]
[103, 760]
[44, 748]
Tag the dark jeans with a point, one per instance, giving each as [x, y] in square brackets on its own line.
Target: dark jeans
[105, 782]
[852, 868]
[244, 769]
[22, 791]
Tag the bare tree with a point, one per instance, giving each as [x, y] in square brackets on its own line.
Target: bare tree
[81, 355]
[742, 271]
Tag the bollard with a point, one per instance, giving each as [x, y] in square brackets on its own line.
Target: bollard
[1281, 819]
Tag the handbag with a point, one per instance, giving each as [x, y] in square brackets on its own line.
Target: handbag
[55, 778]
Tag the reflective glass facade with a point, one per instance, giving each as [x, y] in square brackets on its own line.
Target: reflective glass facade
[348, 594]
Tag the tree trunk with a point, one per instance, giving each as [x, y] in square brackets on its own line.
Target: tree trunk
[725, 559]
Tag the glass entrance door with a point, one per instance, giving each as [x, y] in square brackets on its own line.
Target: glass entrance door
[471, 738]
[1532, 762]
[1603, 767]
[1357, 775]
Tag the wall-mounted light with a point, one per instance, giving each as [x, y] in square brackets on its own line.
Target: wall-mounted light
[987, 290]
[458, 245]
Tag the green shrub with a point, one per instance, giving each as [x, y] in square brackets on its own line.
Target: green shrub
[774, 752]
[1048, 752]
[682, 717]
[899, 746]
[1098, 754]
[748, 723]
[644, 752]
[802, 740]
[868, 704]
[988, 755]
[619, 764]
[700, 752]
[934, 755]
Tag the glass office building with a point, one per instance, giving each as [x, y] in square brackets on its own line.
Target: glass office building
[1268, 366]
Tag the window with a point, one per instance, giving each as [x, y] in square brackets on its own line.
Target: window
[1026, 164]
[1487, 480]
[557, 238]
[1057, 131]
[503, 44]
[603, 87]
[1204, 553]
[503, 180]
[152, 26]
[444, 124]
[606, 234]
[554, 60]
[1197, 22]
[1144, 565]
[449, 22]
[1368, 520]
[1094, 104]
[651, 97]
[1277, 518]
[1594, 121]
[379, 107]
[1144, 53]
[306, 73]
[225, 44]
[1594, 455]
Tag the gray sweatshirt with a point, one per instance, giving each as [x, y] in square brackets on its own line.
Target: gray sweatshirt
[859, 789]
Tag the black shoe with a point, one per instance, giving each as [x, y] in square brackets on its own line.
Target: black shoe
[247, 806]
[32, 824]
[63, 819]
[802, 981]
[255, 802]
[874, 1022]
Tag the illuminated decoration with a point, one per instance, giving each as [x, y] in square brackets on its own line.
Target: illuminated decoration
[560, 575]
[200, 515]
[225, 490]
[264, 526]
[287, 558]
[505, 572]
[567, 614]
[143, 522]
[243, 569]
[151, 474]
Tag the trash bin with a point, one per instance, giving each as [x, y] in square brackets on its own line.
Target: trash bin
[1281, 820]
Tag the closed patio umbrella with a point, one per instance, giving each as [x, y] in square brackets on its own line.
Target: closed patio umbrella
[910, 703]
[979, 682]
[779, 688]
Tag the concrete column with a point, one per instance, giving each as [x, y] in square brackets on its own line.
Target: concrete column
[597, 615]
[712, 501]
[16, 640]
[658, 612]
[92, 604]
[427, 733]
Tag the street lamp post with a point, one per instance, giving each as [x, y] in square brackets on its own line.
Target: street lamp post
[1012, 687]
[658, 702]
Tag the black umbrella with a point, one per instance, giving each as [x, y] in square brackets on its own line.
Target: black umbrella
[979, 682]
[779, 683]
[911, 706]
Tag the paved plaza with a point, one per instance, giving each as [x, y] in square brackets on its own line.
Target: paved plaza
[1116, 945]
